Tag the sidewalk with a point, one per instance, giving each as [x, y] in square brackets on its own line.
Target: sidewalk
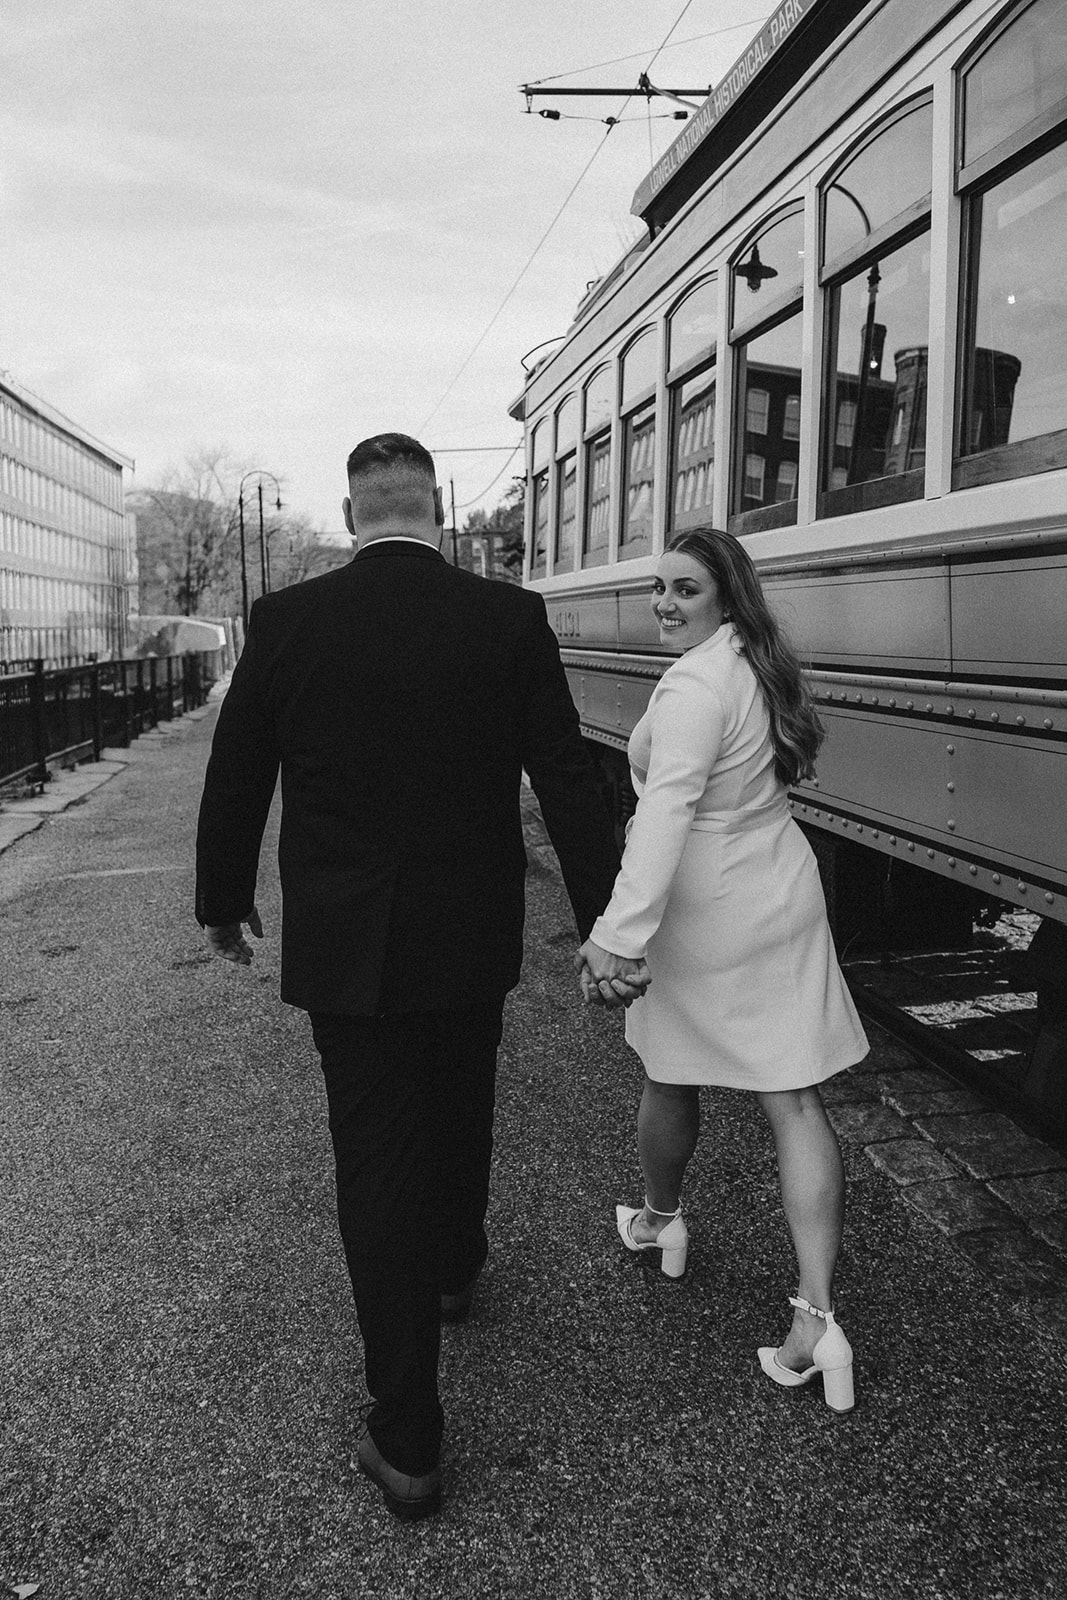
[179, 1359]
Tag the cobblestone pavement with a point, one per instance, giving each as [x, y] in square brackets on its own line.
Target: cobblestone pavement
[999, 1194]
[180, 1371]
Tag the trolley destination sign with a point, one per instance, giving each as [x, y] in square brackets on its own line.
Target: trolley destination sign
[774, 33]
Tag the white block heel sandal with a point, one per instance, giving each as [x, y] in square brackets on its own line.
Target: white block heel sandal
[673, 1240]
[832, 1357]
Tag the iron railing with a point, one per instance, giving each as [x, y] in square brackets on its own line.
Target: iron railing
[73, 713]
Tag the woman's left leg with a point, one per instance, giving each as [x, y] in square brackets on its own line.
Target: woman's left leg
[813, 1197]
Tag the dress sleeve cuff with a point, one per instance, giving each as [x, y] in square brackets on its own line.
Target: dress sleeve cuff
[608, 938]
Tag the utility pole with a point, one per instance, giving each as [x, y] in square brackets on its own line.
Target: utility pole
[455, 544]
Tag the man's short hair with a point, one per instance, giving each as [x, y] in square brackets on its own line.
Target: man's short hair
[390, 452]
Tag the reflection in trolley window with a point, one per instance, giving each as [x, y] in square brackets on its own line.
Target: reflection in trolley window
[599, 402]
[539, 493]
[566, 484]
[766, 335]
[1013, 179]
[876, 262]
[638, 445]
[691, 332]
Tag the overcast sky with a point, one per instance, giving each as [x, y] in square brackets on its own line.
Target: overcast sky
[278, 227]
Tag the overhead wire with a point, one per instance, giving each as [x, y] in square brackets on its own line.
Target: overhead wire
[638, 55]
[612, 124]
[465, 503]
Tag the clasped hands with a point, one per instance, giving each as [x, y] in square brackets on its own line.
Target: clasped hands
[606, 979]
[610, 980]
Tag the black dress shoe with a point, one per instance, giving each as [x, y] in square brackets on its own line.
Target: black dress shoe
[408, 1497]
[457, 1307]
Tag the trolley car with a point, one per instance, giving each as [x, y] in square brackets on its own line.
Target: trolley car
[843, 336]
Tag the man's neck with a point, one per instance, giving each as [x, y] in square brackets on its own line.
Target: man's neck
[423, 536]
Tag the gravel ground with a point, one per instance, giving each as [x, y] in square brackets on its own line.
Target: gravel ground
[180, 1369]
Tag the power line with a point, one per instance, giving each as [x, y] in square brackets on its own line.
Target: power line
[465, 503]
[638, 54]
[496, 314]
[537, 247]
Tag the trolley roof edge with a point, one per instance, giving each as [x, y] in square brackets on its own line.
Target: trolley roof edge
[790, 41]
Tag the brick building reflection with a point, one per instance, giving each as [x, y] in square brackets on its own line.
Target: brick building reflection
[878, 426]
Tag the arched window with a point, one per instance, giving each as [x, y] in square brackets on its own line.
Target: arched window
[596, 439]
[768, 282]
[638, 407]
[539, 460]
[692, 329]
[566, 483]
[1012, 175]
[876, 270]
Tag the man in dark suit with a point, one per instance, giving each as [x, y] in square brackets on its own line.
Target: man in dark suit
[401, 698]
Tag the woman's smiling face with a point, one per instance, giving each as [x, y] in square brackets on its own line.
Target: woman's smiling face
[685, 601]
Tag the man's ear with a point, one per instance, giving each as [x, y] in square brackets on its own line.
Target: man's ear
[346, 512]
[439, 507]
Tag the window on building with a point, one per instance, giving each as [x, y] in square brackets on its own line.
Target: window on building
[757, 410]
[768, 281]
[876, 272]
[1012, 414]
[691, 334]
[596, 442]
[755, 475]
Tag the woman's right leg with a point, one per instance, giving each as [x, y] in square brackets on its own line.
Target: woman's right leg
[668, 1123]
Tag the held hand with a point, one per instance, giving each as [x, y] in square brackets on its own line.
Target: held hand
[229, 942]
[609, 979]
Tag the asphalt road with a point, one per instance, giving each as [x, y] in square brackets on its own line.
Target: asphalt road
[180, 1368]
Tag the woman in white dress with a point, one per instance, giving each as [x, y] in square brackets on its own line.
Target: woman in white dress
[720, 895]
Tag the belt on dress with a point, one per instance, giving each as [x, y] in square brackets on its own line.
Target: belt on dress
[742, 821]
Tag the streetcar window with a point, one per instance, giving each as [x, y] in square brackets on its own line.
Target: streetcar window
[639, 368]
[878, 185]
[693, 450]
[875, 403]
[691, 333]
[566, 483]
[770, 271]
[876, 268]
[692, 327]
[768, 371]
[596, 436]
[638, 445]
[1013, 178]
[768, 281]
[1020, 76]
[539, 498]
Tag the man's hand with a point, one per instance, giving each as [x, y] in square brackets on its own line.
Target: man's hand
[608, 979]
[230, 943]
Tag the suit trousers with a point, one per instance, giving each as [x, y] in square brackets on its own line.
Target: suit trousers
[411, 1100]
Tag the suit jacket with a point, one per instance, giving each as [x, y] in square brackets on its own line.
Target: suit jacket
[400, 698]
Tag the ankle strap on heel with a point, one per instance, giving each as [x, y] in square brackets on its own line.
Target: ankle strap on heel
[806, 1305]
[656, 1213]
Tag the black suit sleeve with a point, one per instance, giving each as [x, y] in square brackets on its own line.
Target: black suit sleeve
[238, 789]
[563, 776]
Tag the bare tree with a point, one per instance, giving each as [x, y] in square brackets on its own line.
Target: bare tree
[187, 538]
[298, 551]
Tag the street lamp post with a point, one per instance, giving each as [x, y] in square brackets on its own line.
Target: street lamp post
[263, 563]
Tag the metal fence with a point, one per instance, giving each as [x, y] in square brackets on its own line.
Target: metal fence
[74, 713]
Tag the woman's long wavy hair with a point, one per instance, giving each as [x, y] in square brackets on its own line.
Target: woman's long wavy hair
[796, 731]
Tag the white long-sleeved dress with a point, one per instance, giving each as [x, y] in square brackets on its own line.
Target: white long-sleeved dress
[720, 892]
